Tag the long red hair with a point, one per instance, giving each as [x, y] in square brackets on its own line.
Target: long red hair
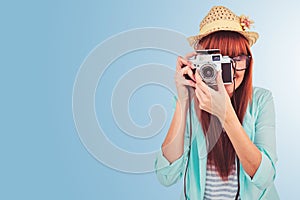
[221, 153]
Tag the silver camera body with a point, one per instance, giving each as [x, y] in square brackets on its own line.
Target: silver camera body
[208, 62]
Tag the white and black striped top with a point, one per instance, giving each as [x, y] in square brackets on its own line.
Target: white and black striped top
[216, 188]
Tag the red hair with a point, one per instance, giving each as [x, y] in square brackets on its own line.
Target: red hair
[221, 153]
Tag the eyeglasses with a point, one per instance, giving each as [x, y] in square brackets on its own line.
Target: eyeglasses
[241, 62]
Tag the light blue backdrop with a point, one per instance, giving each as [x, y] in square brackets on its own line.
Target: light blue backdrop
[43, 44]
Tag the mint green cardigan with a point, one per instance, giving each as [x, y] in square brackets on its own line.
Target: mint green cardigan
[259, 124]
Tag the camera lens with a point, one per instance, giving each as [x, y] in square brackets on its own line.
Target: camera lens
[208, 72]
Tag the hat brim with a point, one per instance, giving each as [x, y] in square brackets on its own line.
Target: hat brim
[250, 36]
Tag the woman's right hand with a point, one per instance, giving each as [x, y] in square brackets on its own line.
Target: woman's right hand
[183, 66]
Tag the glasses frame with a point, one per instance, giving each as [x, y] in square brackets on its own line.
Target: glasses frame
[235, 60]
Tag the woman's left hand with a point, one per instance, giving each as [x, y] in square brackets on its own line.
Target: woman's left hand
[212, 101]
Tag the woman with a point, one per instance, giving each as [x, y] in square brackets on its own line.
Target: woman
[232, 151]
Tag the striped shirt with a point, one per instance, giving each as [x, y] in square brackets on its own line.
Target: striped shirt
[216, 188]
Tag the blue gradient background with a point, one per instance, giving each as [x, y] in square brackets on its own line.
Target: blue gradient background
[42, 46]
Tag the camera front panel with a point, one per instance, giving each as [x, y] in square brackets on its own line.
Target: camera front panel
[227, 73]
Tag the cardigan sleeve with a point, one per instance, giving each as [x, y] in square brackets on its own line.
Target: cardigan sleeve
[169, 173]
[265, 141]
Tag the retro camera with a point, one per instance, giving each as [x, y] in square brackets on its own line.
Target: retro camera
[208, 62]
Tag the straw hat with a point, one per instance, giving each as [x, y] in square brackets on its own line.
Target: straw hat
[221, 18]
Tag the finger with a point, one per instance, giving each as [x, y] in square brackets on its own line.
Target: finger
[180, 79]
[201, 98]
[199, 94]
[189, 55]
[220, 82]
[200, 83]
[219, 78]
[181, 62]
[203, 90]
[186, 82]
[198, 77]
[191, 74]
[187, 70]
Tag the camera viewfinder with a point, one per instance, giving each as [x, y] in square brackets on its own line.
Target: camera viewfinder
[216, 58]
